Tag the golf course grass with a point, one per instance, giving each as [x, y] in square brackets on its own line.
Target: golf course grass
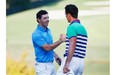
[21, 25]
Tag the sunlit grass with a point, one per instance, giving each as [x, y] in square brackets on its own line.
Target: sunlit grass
[21, 25]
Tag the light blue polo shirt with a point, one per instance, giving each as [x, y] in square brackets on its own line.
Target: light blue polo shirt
[40, 37]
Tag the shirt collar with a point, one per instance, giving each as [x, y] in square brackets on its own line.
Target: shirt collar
[77, 20]
[41, 28]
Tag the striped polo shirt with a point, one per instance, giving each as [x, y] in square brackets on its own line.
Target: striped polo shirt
[76, 29]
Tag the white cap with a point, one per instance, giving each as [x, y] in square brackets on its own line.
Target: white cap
[60, 72]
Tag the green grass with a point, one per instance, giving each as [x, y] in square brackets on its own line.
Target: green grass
[21, 25]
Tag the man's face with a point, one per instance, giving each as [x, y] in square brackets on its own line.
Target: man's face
[67, 17]
[44, 20]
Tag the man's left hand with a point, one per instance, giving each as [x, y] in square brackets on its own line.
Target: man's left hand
[65, 69]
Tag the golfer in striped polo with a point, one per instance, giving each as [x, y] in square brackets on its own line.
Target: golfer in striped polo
[76, 42]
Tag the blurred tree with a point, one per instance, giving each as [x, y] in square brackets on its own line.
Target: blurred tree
[24, 4]
[13, 6]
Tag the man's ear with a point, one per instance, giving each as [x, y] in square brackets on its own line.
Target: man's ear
[69, 15]
[38, 20]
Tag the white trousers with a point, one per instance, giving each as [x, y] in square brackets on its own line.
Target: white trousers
[45, 68]
[76, 65]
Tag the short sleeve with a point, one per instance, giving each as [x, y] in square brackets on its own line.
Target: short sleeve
[38, 40]
[71, 32]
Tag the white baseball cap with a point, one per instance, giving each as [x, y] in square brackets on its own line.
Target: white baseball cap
[60, 72]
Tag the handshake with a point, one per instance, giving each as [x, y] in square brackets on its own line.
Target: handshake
[62, 37]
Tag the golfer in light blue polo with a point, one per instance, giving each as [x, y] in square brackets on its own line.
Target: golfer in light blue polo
[43, 46]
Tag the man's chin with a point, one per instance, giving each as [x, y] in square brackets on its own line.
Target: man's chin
[46, 25]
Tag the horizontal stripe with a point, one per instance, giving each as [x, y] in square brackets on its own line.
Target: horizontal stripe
[78, 43]
[81, 39]
[66, 51]
[78, 53]
[67, 41]
[80, 50]
[80, 46]
[81, 35]
[85, 43]
[84, 52]
[67, 47]
[78, 39]
[80, 56]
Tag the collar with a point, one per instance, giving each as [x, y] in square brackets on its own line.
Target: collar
[77, 20]
[42, 29]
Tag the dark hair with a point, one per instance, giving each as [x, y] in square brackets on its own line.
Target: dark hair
[40, 13]
[72, 10]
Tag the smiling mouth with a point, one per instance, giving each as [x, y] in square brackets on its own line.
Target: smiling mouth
[46, 23]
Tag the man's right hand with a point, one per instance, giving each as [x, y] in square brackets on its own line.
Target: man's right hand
[62, 37]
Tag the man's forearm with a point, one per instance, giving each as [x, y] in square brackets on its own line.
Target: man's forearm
[69, 57]
[56, 44]
[72, 45]
[49, 47]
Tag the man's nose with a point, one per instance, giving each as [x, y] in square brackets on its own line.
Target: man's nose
[47, 20]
